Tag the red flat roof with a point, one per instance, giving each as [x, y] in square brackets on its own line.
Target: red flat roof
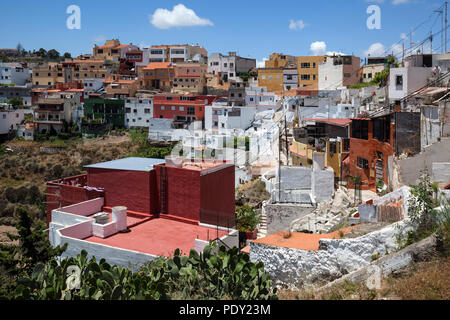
[339, 122]
[160, 237]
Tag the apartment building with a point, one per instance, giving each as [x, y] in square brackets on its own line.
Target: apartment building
[54, 110]
[138, 113]
[338, 71]
[228, 67]
[182, 109]
[51, 73]
[308, 70]
[260, 98]
[178, 53]
[271, 78]
[157, 76]
[222, 118]
[22, 92]
[120, 88]
[280, 60]
[190, 77]
[290, 79]
[88, 69]
[112, 50]
[14, 73]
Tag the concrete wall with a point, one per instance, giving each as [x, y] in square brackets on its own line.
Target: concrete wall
[441, 172]
[294, 268]
[280, 216]
[86, 208]
[322, 185]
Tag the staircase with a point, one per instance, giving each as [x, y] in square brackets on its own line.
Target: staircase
[262, 228]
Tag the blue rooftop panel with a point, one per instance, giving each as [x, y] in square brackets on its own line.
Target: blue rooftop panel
[132, 164]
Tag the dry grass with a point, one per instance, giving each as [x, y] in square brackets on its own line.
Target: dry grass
[252, 193]
[421, 281]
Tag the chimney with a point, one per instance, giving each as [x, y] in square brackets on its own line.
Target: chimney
[119, 216]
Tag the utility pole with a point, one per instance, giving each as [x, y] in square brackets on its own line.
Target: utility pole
[446, 22]
[431, 41]
[287, 142]
[403, 53]
[279, 166]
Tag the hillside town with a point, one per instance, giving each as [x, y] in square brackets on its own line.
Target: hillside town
[307, 164]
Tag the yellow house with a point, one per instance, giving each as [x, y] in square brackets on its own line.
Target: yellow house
[271, 78]
[308, 70]
[279, 60]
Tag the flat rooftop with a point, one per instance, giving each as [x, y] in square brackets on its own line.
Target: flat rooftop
[301, 241]
[160, 237]
[131, 164]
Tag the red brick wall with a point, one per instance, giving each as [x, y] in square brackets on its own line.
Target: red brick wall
[131, 189]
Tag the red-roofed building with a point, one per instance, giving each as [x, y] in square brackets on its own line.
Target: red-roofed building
[157, 206]
[112, 50]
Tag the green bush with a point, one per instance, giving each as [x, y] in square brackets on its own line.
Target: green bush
[247, 218]
[221, 275]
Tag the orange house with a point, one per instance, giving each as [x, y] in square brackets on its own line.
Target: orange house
[371, 151]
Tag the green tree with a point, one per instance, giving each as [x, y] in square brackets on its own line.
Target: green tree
[16, 102]
[67, 55]
[53, 54]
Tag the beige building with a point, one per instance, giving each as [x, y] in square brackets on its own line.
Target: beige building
[279, 60]
[308, 70]
[190, 78]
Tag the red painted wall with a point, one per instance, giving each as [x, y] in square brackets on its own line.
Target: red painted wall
[183, 192]
[69, 195]
[217, 197]
[367, 149]
[131, 189]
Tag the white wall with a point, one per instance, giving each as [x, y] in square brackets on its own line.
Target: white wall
[10, 118]
[13, 73]
[331, 77]
[139, 118]
[414, 78]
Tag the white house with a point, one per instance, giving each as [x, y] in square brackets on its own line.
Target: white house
[406, 80]
[10, 118]
[92, 85]
[260, 98]
[229, 66]
[338, 71]
[14, 73]
[138, 112]
[290, 78]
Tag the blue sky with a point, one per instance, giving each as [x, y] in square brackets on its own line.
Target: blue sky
[253, 28]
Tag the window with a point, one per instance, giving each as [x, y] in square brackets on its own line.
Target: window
[370, 76]
[289, 77]
[135, 110]
[128, 110]
[399, 80]
[146, 110]
[360, 129]
[362, 163]
[181, 108]
[163, 108]
[305, 77]
[190, 110]
[173, 108]
[263, 77]
[347, 75]
[156, 52]
[225, 65]
[305, 65]
[231, 75]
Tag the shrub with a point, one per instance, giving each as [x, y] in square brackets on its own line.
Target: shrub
[247, 218]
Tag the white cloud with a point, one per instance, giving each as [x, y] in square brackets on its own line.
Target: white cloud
[397, 2]
[318, 48]
[262, 63]
[403, 36]
[297, 25]
[180, 16]
[375, 50]
[99, 39]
